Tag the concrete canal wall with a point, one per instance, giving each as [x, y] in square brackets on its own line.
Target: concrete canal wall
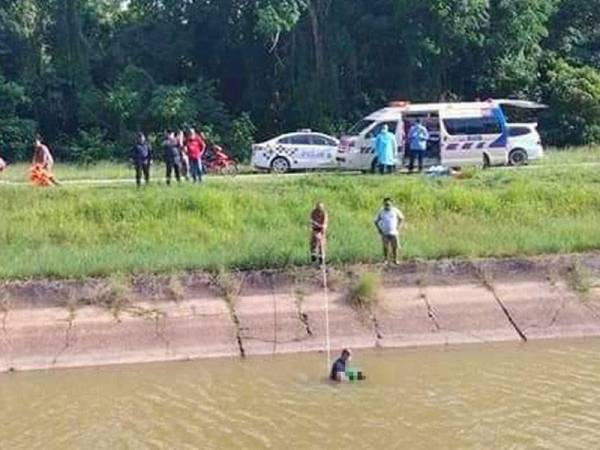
[59, 324]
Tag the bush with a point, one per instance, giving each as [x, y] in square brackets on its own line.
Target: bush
[16, 137]
[364, 293]
[90, 147]
[241, 138]
[573, 94]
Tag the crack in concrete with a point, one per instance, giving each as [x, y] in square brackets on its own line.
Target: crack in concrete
[4, 308]
[431, 314]
[274, 315]
[376, 328]
[5, 305]
[70, 320]
[560, 308]
[301, 315]
[487, 283]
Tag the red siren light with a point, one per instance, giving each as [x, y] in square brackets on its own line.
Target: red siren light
[399, 104]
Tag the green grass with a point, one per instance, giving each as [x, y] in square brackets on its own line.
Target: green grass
[104, 170]
[261, 222]
[107, 170]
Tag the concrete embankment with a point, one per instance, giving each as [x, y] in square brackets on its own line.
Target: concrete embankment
[58, 324]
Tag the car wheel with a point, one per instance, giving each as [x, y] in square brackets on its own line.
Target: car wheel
[517, 157]
[280, 165]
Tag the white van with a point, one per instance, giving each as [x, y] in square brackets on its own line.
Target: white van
[461, 134]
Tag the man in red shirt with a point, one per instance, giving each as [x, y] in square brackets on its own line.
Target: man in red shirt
[195, 146]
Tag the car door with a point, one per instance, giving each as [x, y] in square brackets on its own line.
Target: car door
[324, 152]
[301, 151]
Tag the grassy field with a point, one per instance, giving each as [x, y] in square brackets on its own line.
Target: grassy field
[122, 171]
[261, 222]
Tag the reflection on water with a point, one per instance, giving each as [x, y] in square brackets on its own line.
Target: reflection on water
[540, 395]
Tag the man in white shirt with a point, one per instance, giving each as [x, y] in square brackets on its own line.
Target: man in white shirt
[389, 221]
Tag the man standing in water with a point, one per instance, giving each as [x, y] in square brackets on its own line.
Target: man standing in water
[338, 370]
[388, 222]
[318, 221]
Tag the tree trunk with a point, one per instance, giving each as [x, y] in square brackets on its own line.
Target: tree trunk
[316, 10]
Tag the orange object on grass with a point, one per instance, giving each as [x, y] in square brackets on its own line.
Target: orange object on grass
[40, 176]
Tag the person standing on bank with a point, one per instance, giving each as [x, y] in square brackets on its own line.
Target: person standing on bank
[195, 149]
[386, 150]
[318, 236]
[141, 158]
[389, 221]
[172, 157]
[418, 136]
[185, 161]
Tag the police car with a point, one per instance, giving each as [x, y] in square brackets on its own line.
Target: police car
[301, 150]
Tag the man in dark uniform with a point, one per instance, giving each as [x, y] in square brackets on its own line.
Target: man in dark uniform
[172, 157]
[141, 157]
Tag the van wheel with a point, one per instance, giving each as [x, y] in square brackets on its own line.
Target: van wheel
[486, 162]
[280, 165]
[518, 157]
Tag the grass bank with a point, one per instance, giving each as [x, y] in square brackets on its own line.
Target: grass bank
[262, 222]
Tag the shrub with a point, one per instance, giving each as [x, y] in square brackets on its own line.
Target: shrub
[91, 147]
[241, 137]
[16, 137]
[364, 293]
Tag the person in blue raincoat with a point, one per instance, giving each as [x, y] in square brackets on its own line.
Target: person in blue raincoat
[386, 150]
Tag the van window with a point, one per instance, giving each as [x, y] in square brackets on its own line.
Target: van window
[392, 125]
[473, 126]
[285, 140]
[518, 131]
[360, 126]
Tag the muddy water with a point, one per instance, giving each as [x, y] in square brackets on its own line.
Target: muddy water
[541, 395]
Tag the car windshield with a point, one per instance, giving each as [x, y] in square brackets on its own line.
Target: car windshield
[360, 126]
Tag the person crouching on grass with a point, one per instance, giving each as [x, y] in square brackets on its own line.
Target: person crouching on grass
[389, 221]
[318, 222]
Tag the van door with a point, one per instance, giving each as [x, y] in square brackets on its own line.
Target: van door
[469, 134]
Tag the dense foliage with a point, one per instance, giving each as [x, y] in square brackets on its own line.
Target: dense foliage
[89, 73]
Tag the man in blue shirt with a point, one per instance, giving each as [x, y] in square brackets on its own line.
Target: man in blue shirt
[386, 149]
[418, 136]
